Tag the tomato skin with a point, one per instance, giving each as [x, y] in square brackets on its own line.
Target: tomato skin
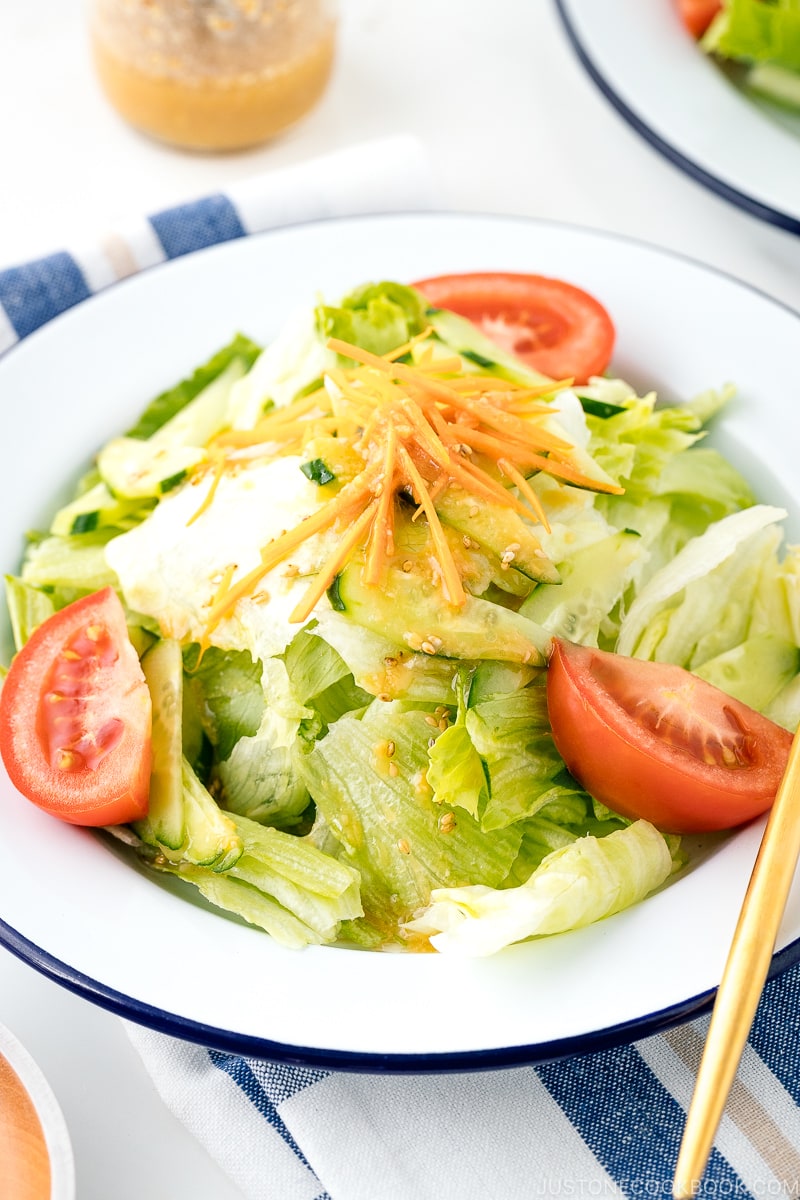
[633, 734]
[552, 326]
[79, 662]
[697, 15]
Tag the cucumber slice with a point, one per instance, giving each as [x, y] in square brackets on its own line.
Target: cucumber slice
[754, 672]
[777, 83]
[78, 561]
[137, 470]
[592, 582]
[466, 339]
[498, 529]
[411, 612]
[212, 839]
[184, 821]
[93, 509]
[163, 669]
[133, 468]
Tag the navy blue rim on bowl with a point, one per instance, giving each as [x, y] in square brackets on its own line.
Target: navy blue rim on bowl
[231, 1042]
[228, 1042]
[749, 204]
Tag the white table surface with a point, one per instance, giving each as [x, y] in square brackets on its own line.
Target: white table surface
[512, 124]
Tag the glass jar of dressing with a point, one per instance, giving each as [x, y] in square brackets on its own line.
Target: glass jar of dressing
[213, 74]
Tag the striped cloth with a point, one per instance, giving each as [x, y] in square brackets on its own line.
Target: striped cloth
[389, 174]
[604, 1124]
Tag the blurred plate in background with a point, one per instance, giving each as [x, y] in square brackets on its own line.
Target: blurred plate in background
[687, 107]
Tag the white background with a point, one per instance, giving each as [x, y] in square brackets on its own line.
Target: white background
[511, 124]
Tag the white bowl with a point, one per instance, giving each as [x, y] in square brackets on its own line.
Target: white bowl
[96, 923]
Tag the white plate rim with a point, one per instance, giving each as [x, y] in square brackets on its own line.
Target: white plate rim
[711, 174]
[231, 1041]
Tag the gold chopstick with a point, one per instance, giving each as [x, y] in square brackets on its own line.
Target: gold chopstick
[743, 978]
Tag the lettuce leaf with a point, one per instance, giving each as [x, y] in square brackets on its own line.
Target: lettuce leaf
[524, 771]
[757, 31]
[321, 681]
[635, 445]
[166, 405]
[578, 884]
[698, 605]
[27, 607]
[280, 883]
[377, 317]
[381, 667]
[260, 778]
[227, 692]
[381, 810]
[456, 770]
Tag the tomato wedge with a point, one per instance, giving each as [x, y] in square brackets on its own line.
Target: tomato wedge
[554, 327]
[652, 740]
[75, 716]
[697, 15]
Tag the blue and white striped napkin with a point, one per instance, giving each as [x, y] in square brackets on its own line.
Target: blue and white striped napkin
[598, 1125]
[389, 174]
[602, 1124]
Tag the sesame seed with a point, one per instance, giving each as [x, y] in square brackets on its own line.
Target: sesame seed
[394, 770]
[473, 512]
[390, 749]
[467, 542]
[431, 742]
[428, 648]
[384, 696]
[429, 720]
[403, 846]
[444, 723]
[447, 822]
[408, 565]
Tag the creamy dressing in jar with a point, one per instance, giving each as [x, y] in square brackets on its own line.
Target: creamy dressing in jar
[213, 74]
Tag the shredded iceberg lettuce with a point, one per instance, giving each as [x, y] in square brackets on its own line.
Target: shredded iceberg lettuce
[378, 792]
[585, 881]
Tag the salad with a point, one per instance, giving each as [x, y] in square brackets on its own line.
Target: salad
[350, 632]
[758, 39]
